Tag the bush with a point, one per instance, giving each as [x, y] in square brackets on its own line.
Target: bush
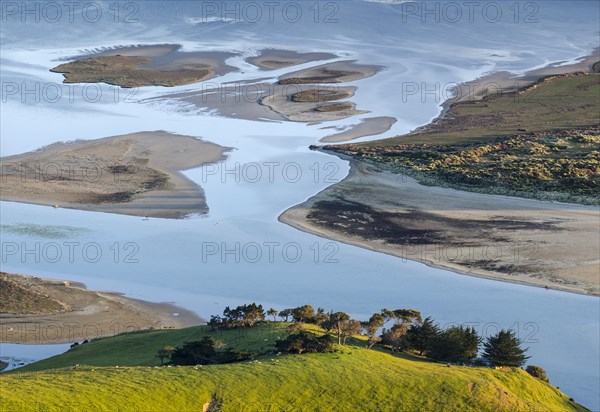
[204, 352]
[305, 342]
[537, 372]
[195, 353]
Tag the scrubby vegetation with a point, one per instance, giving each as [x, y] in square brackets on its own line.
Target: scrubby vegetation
[125, 71]
[537, 372]
[319, 95]
[565, 163]
[16, 298]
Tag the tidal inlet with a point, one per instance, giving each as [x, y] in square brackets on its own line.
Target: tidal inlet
[370, 205]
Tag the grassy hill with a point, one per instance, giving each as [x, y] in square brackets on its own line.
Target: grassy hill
[353, 378]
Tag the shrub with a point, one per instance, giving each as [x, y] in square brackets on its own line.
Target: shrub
[305, 342]
[537, 372]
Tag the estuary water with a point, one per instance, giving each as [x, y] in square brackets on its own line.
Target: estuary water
[240, 252]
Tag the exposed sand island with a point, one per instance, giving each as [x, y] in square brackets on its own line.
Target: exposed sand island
[311, 95]
[161, 65]
[135, 174]
[270, 59]
[517, 240]
[43, 311]
[338, 72]
[312, 104]
[367, 127]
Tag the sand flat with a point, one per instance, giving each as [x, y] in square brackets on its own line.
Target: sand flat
[135, 174]
[270, 59]
[367, 127]
[282, 102]
[338, 72]
[546, 244]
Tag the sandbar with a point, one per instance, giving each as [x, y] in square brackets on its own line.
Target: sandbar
[136, 174]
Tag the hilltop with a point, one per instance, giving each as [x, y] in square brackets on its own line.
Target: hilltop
[122, 372]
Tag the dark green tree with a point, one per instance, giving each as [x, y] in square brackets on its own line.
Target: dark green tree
[195, 353]
[456, 344]
[504, 349]
[420, 335]
[305, 342]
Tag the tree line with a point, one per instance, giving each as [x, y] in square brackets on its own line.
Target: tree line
[399, 330]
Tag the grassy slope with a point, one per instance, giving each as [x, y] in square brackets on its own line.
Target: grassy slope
[352, 379]
[557, 103]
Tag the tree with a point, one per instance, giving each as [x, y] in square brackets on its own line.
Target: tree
[336, 323]
[251, 314]
[164, 353]
[420, 335]
[195, 353]
[403, 319]
[244, 315]
[285, 314]
[273, 312]
[504, 349]
[537, 372]
[216, 322]
[319, 317]
[402, 316]
[205, 352]
[394, 336]
[303, 313]
[350, 328]
[371, 327]
[456, 344]
[305, 342]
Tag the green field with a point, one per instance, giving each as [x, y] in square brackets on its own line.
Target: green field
[553, 104]
[352, 378]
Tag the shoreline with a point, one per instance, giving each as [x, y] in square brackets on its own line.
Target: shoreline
[575, 276]
[85, 314]
[296, 217]
[507, 82]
